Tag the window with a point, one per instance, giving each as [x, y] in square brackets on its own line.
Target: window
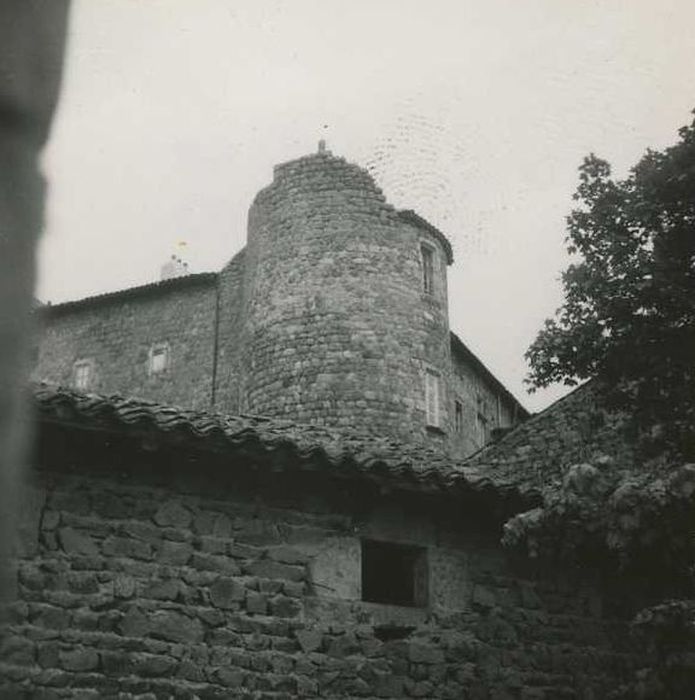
[458, 416]
[481, 420]
[82, 374]
[427, 269]
[395, 574]
[159, 358]
[481, 424]
[432, 398]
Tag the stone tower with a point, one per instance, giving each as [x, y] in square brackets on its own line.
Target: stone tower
[344, 319]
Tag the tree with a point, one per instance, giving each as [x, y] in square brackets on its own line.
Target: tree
[628, 321]
[635, 528]
[628, 318]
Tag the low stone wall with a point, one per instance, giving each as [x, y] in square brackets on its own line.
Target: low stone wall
[150, 583]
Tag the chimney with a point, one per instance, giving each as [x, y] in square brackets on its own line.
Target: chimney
[174, 267]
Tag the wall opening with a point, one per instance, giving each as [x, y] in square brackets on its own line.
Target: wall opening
[82, 374]
[427, 269]
[159, 358]
[394, 574]
[481, 422]
[432, 398]
[387, 633]
[458, 416]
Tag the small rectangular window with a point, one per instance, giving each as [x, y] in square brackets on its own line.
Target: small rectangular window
[427, 269]
[458, 416]
[82, 374]
[482, 429]
[432, 398]
[395, 574]
[159, 358]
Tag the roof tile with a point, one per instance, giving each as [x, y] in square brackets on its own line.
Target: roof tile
[341, 453]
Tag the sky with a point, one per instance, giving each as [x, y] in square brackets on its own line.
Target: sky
[475, 113]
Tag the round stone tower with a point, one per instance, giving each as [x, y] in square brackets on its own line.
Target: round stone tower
[345, 318]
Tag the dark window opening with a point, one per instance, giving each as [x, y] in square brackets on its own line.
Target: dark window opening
[395, 574]
[387, 633]
[427, 269]
[458, 416]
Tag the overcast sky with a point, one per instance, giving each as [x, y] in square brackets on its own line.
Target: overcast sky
[475, 113]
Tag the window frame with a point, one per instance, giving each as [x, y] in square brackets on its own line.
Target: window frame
[458, 416]
[481, 420]
[157, 349]
[432, 409]
[382, 557]
[86, 365]
[427, 260]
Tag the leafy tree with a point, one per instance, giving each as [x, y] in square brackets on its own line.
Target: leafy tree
[635, 526]
[628, 321]
[629, 312]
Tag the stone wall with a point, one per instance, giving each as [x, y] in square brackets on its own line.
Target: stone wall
[338, 330]
[115, 333]
[228, 378]
[322, 319]
[144, 577]
[578, 428]
[476, 394]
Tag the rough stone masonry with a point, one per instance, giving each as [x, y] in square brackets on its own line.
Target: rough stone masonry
[334, 314]
[161, 561]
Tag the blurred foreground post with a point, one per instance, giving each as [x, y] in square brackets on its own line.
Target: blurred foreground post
[32, 40]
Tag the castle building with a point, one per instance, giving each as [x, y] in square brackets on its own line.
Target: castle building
[254, 486]
[335, 314]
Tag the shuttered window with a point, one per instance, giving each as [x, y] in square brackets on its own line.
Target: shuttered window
[481, 422]
[159, 358]
[427, 269]
[432, 398]
[82, 374]
[458, 416]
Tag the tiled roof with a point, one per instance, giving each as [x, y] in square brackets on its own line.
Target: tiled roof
[577, 428]
[185, 281]
[280, 444]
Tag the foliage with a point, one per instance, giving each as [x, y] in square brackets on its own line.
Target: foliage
[628, 320]
[638, 526]
[622, 520]
[629, 310]
[667, 630]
